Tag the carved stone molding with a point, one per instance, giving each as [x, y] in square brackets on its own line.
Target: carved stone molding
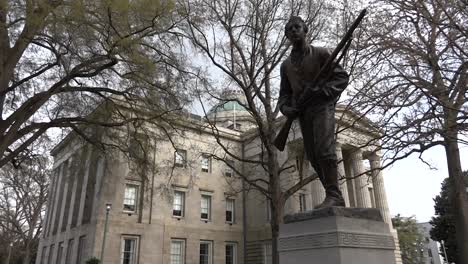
[336, 239]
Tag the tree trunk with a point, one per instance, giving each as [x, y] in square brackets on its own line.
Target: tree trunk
[27, 253]
[277, 207]
[3, 87]
[276, 219]
[458, 196]
[274, 243]
[7, 261]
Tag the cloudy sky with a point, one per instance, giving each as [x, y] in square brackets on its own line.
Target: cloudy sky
[411, 185]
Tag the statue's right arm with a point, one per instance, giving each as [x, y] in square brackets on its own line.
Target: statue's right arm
[285, 94]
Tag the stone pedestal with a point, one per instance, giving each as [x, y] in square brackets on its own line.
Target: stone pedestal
[336, 235]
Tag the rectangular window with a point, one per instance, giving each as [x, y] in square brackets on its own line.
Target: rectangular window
[129, 250]
[81, 255]
[180, 157]
[206, 252]
[59, 253]
[178, 204]
[231, 253]
[267, 253]
[177, 251]
[230, 210]
[229, 172]
[51, 254]
[130, 198]
[205, 207]
[206, 163]
[302, 202]
[69, 251]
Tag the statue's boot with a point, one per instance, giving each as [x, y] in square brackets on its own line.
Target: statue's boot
[329, 180]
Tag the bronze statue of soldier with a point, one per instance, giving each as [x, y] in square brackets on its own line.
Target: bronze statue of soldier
[317, 120]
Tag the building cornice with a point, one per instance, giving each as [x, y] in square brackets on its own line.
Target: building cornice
[347, 117]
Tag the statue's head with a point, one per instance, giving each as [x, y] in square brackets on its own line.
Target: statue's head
[295, 28]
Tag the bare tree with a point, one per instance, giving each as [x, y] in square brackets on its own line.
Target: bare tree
[413, 62]
[23, 197]
[244, 41]
[62, 60]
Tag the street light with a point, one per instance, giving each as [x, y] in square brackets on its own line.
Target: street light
[108, 208]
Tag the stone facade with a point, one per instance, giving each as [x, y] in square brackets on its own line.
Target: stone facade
[188, 204]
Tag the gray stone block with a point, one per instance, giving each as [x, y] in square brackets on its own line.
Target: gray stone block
[336, 235]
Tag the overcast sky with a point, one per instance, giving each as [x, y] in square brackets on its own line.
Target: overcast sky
[411, 185]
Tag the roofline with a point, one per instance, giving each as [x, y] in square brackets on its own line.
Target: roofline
[194, 121]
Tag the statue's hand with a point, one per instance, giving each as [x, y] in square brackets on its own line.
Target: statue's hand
[289, 111]
[309, 92]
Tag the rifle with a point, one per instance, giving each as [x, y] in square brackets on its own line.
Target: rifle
[282, 137]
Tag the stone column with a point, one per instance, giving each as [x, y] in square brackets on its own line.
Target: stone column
[82, 195]
[379, 188]
[361, 189]
[350, 181]
[63, 203]
[73, 194]
[50, 201]
[58, 180]
[318, 192]
[308, 188]
[342, 174]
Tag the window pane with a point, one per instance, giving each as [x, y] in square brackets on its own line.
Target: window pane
[230, 253]
[205, 206]
[177, 252]
[229, 172]
[205, 252]
[178, 203]
[229, 210]
[205, 163]
[180, 157]
[229, 205]
[204, 202]
[128, 251]
[130, 197]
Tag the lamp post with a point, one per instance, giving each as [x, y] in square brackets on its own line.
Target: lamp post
[108, 208]
[445, 252]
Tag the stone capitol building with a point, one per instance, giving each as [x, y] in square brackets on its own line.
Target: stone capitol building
[191, 208]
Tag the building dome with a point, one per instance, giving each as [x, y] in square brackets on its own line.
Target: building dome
[230, 112]
[232, 101]
[227, 106]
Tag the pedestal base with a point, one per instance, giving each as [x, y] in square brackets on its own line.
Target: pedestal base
[336, 235]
